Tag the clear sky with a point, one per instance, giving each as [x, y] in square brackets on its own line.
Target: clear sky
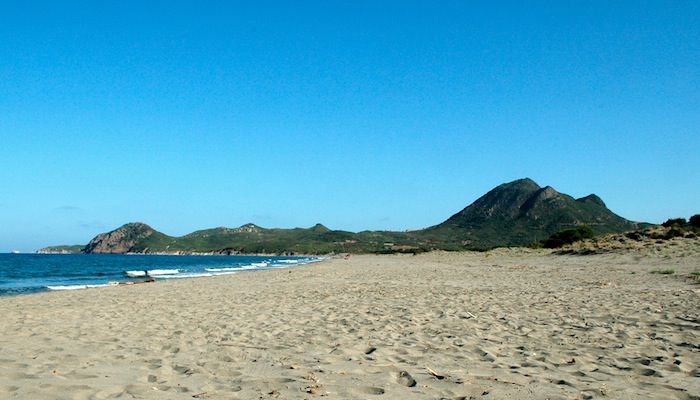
[356, 114]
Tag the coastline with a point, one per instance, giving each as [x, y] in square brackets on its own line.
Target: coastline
[187, 253]
[35, 273]
[512, 323]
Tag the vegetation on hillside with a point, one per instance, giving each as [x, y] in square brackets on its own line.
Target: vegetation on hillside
[63, 249]
[679, 227]
[567, 236]
[251, 239]
[518, 213]
[694, 221]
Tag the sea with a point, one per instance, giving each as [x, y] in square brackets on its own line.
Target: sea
[31, 273]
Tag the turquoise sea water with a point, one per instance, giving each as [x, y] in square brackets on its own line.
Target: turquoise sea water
[28, 273]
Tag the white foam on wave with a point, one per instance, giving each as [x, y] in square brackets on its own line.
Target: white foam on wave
[225, 273]
[232, 269]
[287, 261]
[187, 275]
[77, 287]
[242, 267]
[177, 274]
[151, 272]
[155, 272]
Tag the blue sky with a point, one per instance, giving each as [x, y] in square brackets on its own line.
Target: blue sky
[358, 115]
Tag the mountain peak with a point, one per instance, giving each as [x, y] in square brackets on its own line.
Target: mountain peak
[503, 201]
[320, 228]
[592, 198]
[135, 226]
[120, 240]
[549, 191]
[248, 228]
[521, 212]
[522, 184]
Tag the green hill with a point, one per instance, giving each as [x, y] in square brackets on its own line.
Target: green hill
[512, 214]
[246, 239]
[520, 213]
[63, 249]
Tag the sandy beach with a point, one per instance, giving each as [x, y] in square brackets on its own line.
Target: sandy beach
[502, 324]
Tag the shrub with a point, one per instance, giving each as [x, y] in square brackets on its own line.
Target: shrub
[674, 232]
[675, 222]
[568, 236]
[664, 271]
[634, 235]
[695, 221]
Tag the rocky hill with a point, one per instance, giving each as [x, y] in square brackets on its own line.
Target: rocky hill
[520, 213]
[127, 238]
[513, 214]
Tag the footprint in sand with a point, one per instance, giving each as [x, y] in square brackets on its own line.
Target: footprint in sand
[110, 392]
[651, 372]
[283, 380]
[184, 370]
[372, 390]
[8, 390]
[405, 379]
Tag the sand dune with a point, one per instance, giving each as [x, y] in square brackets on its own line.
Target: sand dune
[503, 324]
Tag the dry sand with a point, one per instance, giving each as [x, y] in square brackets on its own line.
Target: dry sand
[503, 324]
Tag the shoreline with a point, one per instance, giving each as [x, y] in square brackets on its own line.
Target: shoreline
[501, 324]
[153, 274]
[194, 254]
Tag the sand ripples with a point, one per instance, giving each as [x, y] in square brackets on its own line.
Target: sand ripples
[525, 325]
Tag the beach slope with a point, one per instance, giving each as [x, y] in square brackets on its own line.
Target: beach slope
[500, 324]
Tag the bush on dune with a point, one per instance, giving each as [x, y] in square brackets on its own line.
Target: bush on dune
[675, 223]
[694, 221]
[679, 227]
[568, 236]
